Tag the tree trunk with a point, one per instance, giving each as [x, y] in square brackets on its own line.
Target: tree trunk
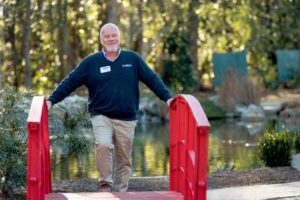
[193, 33]
[130, 32]
[10, 37]
[74, 53]
[101, 16]
[111, 11]
[140, 28]
[28, 73]
[63, 44]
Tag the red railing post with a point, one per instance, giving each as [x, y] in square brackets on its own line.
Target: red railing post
[188, 148]
[38, 155]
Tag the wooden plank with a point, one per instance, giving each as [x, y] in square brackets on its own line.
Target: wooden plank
[154, 195]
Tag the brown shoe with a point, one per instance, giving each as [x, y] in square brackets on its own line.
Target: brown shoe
[105, 187]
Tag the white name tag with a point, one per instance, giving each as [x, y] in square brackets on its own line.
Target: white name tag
[104, 69]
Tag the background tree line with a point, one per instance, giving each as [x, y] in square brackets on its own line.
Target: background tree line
[41, 41]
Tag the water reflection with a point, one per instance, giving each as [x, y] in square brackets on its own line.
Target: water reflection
[150, 156]
[232, 146]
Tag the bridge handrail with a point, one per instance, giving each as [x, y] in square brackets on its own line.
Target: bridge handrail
[188, 147]
[38, 158]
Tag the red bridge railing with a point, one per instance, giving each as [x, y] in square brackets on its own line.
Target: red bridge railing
[188, 148]
[38, 158]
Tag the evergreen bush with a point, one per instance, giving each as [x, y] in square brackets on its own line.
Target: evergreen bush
[275, 148]
[212, 110]
[13, 140]
[297, 142]
[67, 130]
[178, 72]
[70, 127]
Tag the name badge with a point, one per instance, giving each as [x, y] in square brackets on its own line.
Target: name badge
[104, 69]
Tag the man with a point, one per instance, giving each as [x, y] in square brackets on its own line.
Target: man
[112, 76]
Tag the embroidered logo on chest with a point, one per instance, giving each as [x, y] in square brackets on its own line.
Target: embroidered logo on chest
[127, 65]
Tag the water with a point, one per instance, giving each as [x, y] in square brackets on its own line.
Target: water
[232, 146]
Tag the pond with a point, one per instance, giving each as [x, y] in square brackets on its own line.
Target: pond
[232, 146]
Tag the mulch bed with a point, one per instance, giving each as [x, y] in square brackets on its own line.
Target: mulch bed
[215, 180]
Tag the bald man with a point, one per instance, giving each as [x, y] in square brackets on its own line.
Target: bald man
[112, 77]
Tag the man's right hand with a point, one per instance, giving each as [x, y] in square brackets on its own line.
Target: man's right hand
[169, 101]
[49, 105]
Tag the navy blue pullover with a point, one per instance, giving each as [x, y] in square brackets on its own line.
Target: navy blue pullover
[113, 86]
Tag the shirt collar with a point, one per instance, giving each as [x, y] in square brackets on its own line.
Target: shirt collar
[108, 58]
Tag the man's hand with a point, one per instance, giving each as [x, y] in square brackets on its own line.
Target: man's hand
[49, 105]
[169, 101]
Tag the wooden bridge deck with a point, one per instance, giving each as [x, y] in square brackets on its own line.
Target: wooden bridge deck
[153, 195]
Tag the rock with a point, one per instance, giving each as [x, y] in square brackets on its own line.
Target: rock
[254, 127]
[296, 162]
[271, 107]
[214, 99]
[290, 113]
[75, 101]
[290, 110]
[152, 111]
[253, 112]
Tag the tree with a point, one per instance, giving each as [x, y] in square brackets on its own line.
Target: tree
[46, 39]
[111, 11]
[28, 74]
[193, 25]
[11, 53]
[178, 72]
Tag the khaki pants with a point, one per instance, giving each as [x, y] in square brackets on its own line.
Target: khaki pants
[113, 135]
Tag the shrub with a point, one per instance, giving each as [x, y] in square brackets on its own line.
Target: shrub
[14, 106]
[275, 148]
[211, 110]
[297, 142]
[13, 138]
[69, 125]
[238, 91]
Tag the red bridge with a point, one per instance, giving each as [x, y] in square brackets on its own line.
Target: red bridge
[188, 156]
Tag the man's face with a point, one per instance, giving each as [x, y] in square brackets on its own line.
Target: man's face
[110, 39]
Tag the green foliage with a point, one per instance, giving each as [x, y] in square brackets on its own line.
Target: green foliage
[13, 138]
[275, 148]
[70, 127]
[178, 72]
[294, 82]
[211, 110]
[63, 32]
[297, 142]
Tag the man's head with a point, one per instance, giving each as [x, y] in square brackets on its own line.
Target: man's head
[110, 37]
